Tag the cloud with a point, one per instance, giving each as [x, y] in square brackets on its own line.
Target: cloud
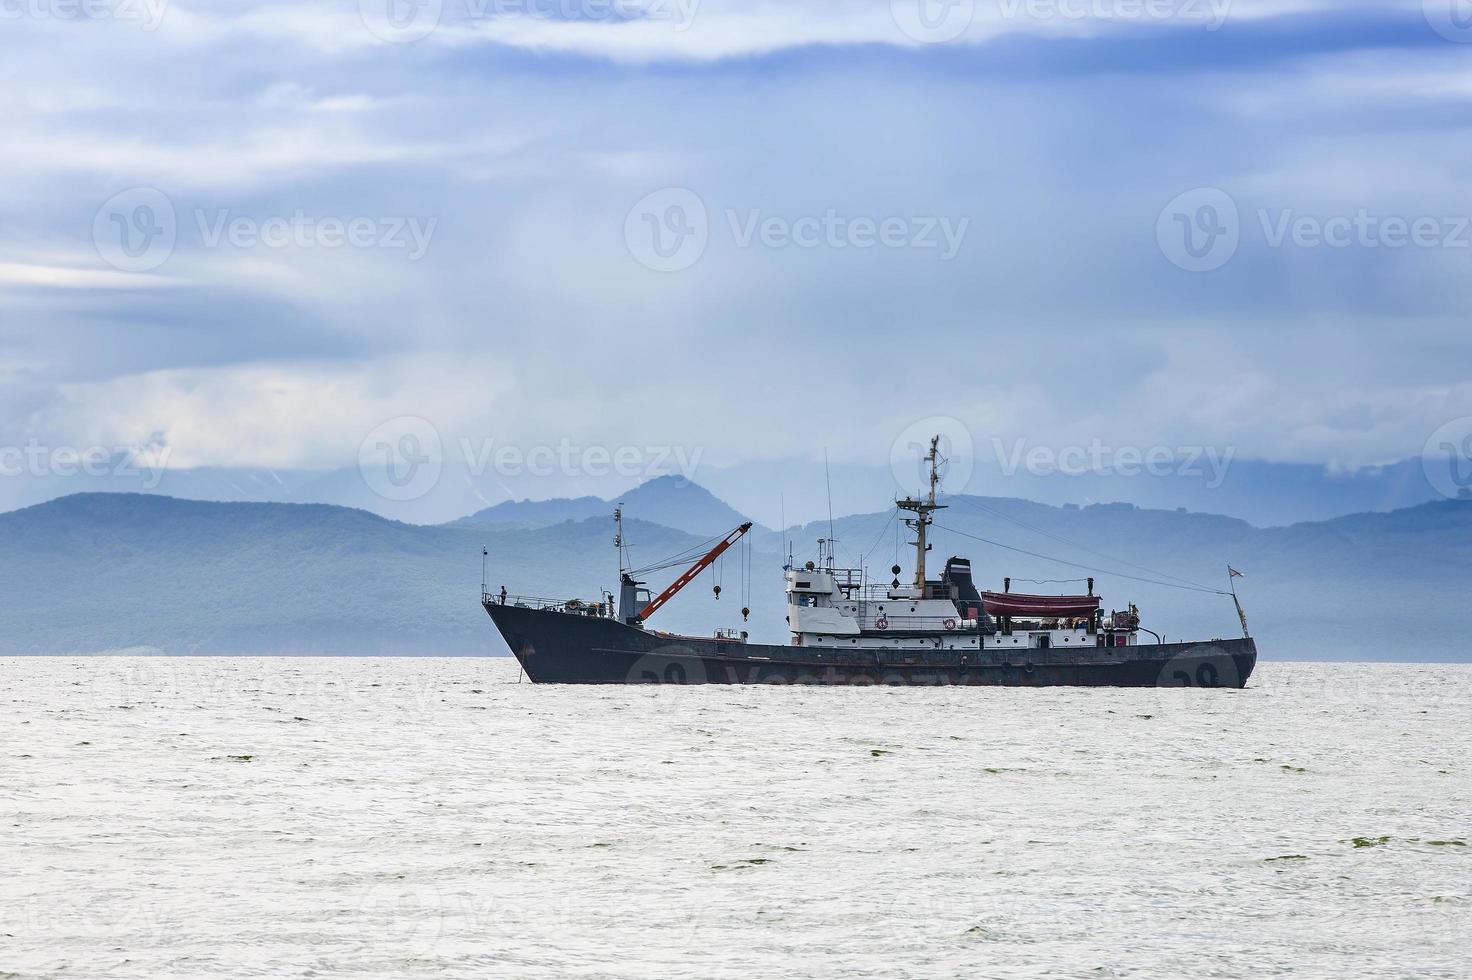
[644, 31]
[527, 141]
[62, 277]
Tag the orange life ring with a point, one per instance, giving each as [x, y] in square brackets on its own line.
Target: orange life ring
[882, 623]
[950, 624]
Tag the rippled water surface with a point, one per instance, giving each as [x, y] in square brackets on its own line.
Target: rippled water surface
[188, 818]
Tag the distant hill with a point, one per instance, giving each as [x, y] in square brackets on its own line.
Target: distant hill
[668, 500]
[1263, 493]
[98, 572]
[538, 513]
[104, 572]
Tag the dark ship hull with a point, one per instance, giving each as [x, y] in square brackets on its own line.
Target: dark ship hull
[557, 647]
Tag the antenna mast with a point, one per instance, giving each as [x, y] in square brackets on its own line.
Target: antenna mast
[923, 509]
[782, 501]
[618, 539]
[828, 481]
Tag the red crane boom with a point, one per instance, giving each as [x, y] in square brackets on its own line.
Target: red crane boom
[693, 572]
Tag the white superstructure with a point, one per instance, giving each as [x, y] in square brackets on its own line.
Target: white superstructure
[836, 607]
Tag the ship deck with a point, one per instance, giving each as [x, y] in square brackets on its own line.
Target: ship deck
[562, 647]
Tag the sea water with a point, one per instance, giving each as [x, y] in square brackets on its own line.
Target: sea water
[434, 817]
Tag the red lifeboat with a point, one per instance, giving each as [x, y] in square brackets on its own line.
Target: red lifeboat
[1039, 606]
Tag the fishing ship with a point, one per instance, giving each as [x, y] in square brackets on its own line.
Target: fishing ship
[846, 630]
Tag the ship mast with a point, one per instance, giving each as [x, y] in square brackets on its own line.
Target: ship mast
[922, 510]
[618, 539]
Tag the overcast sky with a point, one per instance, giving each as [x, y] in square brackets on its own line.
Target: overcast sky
[254, 232]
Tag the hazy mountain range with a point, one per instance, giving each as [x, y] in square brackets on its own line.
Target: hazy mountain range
[778, 491]
[105, 572]
[667, 500]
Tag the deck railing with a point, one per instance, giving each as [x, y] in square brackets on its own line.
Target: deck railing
[596, 608]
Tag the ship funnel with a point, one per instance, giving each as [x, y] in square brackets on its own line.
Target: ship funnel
[629, 602]
[962, 590]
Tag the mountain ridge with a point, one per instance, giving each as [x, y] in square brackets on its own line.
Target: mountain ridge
[98, 572]
[1266, 494]
[681, 504]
